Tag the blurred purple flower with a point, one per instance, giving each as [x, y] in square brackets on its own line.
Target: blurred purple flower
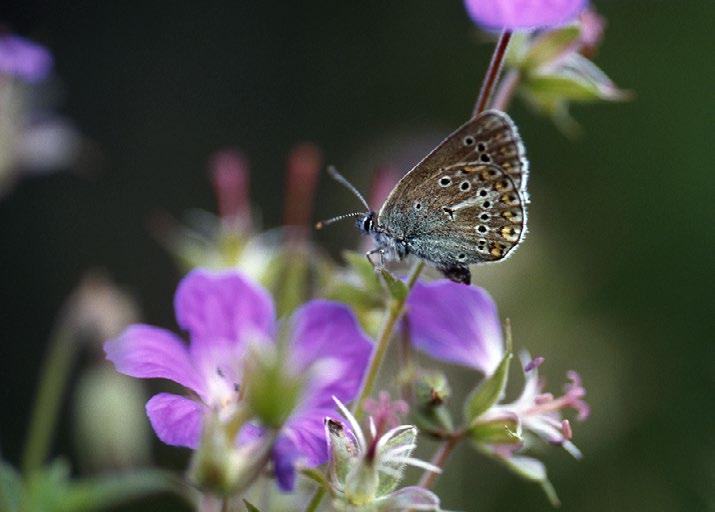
[22, 58]
[456, 323]
[223, 313]
[522, 14]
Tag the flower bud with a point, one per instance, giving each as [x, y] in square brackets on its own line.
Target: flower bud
[222, 467]
[431, 392]
[103, 395]
[271, 388]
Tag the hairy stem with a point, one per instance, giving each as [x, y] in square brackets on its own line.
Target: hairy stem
[394, 312]
[53, 381]
[439, 459]
[493, 72]
[314, 503]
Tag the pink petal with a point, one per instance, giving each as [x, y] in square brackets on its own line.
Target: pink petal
[516, 14]
[149, 352]
[223, 308]
[328, 340]
[456, 323]
[175, 419]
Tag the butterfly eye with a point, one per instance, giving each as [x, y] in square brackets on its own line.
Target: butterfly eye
[445, 181]
[468, 140]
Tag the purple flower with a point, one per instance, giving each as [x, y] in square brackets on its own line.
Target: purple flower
[460, 324]
[223, 313]
[456, 323]
[24, 59]
[522, 14]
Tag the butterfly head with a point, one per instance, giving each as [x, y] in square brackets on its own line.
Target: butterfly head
[366, 224]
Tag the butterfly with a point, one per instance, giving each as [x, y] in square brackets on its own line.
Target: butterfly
[464, 203]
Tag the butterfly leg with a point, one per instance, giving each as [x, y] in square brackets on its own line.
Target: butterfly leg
[381, 252]
[457, 273]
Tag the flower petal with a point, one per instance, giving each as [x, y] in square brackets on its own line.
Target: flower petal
[456, 323]
[515, 14]
[175, 419]
[223, 308]
[285, 454]
[328, 339]
[149, 352]
[409, 498]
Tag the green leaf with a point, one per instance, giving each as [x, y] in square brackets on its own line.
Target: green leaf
[110, 490]
[343, 451]
[397, 288]
[10, 488]
[501, 431]
[250, 507]
[550, 46]
[391, 475]
[363, 269]
[488, 392]
[535, 471]
[555, 86]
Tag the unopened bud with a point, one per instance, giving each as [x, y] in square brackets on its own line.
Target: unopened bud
[271, 389]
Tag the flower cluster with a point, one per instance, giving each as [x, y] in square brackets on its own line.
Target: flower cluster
[278, 345]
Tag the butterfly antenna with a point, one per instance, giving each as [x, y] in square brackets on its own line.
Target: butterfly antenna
[345, 183]
[323, 223]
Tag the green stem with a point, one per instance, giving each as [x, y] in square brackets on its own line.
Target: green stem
[315, 500]
[394, 313]
[53, 380]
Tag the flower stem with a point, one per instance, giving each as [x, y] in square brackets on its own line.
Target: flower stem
[505, 91]
[314, 503]
[53, 380]
[439, 459]
[394, 313]
[493, 72]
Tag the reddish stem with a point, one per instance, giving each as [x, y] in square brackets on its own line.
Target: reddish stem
[492, 73]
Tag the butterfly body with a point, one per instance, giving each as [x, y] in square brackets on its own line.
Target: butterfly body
[464, 203]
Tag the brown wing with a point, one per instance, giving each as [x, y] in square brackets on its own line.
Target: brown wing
[460, 214]
[491, 137]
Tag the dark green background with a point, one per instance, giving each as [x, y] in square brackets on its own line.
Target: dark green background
[614, 279]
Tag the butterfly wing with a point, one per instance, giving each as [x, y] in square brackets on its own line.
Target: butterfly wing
[466, 201]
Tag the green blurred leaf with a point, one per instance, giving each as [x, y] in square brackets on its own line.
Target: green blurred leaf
[10, 488]
[250, 507]
[551, 87]
[488, 392]
[110, 490]
[363, 269]
[398, 289]
[534, 470]
[502, 431]
[550, 46]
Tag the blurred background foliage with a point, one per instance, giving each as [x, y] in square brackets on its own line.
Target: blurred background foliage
[614, 279]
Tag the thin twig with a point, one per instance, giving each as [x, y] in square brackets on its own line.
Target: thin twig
[439, 459]
[314, 503]
[493, 72]
[505, 91]
[383, 341]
